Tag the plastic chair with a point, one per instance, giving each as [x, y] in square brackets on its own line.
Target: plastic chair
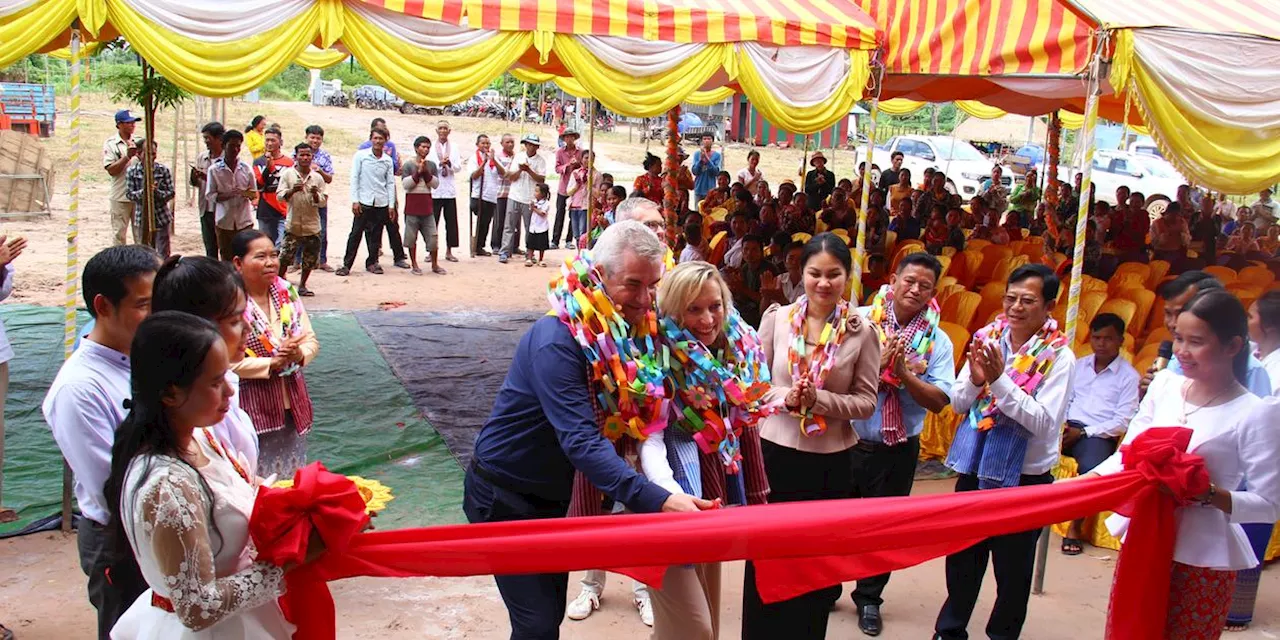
[946, 263]
[1149, 348]
[977, 245]
[959, 340]
[906, 248]
[1143, 363]
[1134, 267]
[1120, 307]
[1242, 289]
[1017, 246]
[961, 307]
[991, 257]
[1158, 334]
[948, 251]
[1226, 274]
[1144, 301]
[1158, 270]
[1122, 281]
[991, 299]
[1090, 302]
[965, 267]
[1254, 274]
[946, 281]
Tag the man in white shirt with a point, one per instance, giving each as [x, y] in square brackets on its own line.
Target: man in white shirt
[199, 178]
[444, 198]
[118, 152]
[373, 200]
[527, 170]
[486, 177]
[504, 158]
[1265, 211]
[232, 188]
[1019, 450]
[1104, 397]
[86, 404]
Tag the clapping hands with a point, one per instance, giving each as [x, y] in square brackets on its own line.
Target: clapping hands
[986, 363]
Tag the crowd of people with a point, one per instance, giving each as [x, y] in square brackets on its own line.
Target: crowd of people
[189, 391]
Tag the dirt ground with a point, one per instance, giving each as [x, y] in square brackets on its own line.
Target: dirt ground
[42, 588]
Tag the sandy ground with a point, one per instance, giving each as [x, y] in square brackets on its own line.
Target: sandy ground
[42, 588]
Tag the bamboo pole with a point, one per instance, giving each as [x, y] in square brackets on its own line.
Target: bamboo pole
[148, 161]
[860, 243]
[71, 287]
[591, 169]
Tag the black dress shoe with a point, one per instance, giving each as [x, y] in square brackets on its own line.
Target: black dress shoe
[869, 620]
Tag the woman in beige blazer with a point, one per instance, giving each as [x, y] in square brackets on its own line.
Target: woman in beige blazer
[824, 386]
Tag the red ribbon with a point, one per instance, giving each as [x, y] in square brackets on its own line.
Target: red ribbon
[797, 547]
[1140, 593]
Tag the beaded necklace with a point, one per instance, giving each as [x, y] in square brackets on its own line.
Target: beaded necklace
[815, 365]
[1028, 369]
[717, 393]
[626, 368]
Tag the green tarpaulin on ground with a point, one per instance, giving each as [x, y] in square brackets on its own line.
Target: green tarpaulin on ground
[366, 424]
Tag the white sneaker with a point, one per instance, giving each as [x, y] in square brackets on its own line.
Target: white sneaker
[583, 605]
[646, 611]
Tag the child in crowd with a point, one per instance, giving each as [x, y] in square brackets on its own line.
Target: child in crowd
[875, 276]
[693, 249]
[537, 240]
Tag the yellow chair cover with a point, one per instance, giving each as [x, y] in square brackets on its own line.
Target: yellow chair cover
[939, 432]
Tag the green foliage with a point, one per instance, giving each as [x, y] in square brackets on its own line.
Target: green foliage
[922, 119]
[351, 73]
[126, 83]
[290, 84]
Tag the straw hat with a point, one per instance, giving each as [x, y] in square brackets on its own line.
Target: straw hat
[817, 155]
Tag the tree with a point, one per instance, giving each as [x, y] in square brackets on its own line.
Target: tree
[152, 91]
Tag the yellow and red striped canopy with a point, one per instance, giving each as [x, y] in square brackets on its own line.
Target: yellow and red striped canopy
[833, 23]
[1246, 17]
[981, 37]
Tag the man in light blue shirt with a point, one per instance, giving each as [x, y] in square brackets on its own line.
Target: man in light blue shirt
[373, 202]
[706, 167]
[884, 460]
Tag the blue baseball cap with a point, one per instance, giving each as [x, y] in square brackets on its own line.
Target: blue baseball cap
[123, 115]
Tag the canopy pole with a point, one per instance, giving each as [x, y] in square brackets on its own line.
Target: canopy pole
[804, 160]
[73, 261]
[860, 245]
[591, 169]
[1087, 142]
[751, 118]
[524, 108]
[671, 185]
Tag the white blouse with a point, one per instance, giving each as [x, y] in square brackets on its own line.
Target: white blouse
[1238, 440]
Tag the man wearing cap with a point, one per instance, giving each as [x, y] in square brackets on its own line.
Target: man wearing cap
[818, 183]
[568, 159]
[117, 153]
[526, 170]
[706, 166]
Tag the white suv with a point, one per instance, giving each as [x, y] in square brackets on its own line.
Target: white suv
[964, 165]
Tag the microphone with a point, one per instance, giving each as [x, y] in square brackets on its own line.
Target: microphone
[1163, 356]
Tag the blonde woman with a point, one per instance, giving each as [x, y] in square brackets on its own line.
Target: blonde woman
[824, 359]
[711, 447]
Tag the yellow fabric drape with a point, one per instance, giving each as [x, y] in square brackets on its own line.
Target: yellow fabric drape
[29, 30]
[899, 106]
[980, 110]
[806, 120]
[313, 58]
[645, 96]
[1221, 157]
[219, 70]
[710, 97]
[424, 76]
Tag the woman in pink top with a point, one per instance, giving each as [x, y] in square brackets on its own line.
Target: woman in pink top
[578, 193]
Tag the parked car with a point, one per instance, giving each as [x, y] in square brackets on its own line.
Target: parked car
[964, 165]
[1154, 177]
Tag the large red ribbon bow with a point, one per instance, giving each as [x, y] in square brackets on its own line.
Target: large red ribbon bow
[281, 527]
[1140, 592]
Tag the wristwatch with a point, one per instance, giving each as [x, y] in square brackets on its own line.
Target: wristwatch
[1208, 498]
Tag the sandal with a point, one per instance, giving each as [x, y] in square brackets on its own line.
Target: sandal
[438, 271]
[451, 258]
[528, 263]
[305, 292]
[1072, 547]
[542, 263]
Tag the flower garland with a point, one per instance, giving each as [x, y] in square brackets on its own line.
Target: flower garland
[921, 336]
[717, 394]
[815, 365]
[263, 339]
[626, 366]
[1028, 369]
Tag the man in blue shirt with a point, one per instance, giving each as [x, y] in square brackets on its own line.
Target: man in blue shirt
[544, 426]
[706, 167]
[1177, 293]
[884, 459]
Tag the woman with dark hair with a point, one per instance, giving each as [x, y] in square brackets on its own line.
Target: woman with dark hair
[211, 289]
[179, 503]
[649, 183]
[824, 360]
[1235, 433]
[280, 344]
[253, 137]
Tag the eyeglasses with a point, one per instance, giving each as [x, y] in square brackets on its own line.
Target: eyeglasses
[656, 227]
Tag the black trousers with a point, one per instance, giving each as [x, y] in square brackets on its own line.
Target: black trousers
[368, 225]
[209, 235]
[111, 592]
[1012, 557]
[881, 471]
[795, 476]
[448, 208]
[536, 602]
[562, 202]
[499, 223]
[484, 214]
[395, 238]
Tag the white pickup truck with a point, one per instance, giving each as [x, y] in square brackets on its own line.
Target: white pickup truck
[964, 165]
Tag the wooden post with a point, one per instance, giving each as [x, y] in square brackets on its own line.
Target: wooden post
[148, 161]
[804, 159]
[73, 261]
[591, 169]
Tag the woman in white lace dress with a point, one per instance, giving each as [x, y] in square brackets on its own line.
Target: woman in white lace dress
[179, 503]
